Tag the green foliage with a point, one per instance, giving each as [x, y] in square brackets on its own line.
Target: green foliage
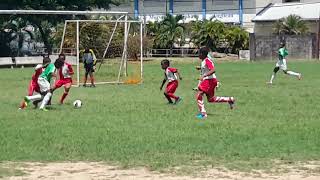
[132, 125]
[45, 23]
[237, 39]
[291, 25]
[167, 32]
[214, 33]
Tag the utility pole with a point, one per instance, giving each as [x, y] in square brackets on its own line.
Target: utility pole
[318, 39]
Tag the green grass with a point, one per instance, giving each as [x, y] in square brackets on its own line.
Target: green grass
[131, 125]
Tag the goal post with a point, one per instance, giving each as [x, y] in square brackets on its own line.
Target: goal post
[118, 46]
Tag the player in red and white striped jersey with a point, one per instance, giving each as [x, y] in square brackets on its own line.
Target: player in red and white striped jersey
[65, 78]
[172, 75]
[208, 84]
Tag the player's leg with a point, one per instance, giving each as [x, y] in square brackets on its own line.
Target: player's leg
[288, 72]
[46, 91]
[171, 89]
[275, 70]
[91, 76]
[23, 104]
[168, 88]
[202, 111]
[67, 87]
[85, 75]
[218, 99]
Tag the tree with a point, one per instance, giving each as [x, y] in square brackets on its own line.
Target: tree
[207, 33]
[237, 39]
[167, 32]
[45, 23]
[291, 25]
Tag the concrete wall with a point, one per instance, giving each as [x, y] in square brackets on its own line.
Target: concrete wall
[266, 28]
[266, 47]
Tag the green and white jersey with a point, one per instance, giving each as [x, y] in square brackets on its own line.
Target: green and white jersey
[282, 52]
[47, 73]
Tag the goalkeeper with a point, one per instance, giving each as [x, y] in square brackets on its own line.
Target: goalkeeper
[89, 61]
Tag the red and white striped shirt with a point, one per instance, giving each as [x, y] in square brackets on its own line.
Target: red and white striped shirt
[170, 74]
[206, 66]
[66, 71]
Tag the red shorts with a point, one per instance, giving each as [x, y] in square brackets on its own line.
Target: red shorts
[172, 86]
[208, 86]
[33, 87]
[62, 82]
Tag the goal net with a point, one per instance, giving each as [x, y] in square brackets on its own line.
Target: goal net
[116, 46]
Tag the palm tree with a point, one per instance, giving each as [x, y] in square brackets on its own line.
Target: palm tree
[291, 25]
[170, 31]
[237, 39]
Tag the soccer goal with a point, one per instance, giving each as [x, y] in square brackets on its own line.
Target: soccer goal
[117, 45]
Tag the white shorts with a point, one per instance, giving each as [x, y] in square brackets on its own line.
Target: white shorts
[43, 84]
[282, 64]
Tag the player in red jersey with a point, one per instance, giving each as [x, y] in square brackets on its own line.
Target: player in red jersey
[208, 84]
[33, 85]
[171, 75]
[65, 78]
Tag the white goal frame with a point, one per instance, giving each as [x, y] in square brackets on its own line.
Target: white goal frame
[124, 58]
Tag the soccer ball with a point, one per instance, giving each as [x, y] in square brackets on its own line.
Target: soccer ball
[77, 103]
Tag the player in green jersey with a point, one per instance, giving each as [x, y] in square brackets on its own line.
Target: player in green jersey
[282, 64]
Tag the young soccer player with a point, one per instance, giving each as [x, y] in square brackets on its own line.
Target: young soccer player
[44, 82]
[33, 85]
[282, 64]
[171, 75]
[65, 78]
[89, 61]
[208, 84]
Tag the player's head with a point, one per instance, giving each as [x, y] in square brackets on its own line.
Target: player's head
[46, 60]
[58, 63]
[86, 50]
[203, 52]
[62, 57]
[165, 63]
[282, 44]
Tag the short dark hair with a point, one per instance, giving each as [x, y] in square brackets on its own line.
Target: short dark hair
[58, 63]
[46, 60]
[61, 54]
[204, 51]
[165, 61]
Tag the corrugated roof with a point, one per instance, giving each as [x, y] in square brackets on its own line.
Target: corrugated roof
[308, 11]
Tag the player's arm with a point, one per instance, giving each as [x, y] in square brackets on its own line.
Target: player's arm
[70, 69]
[163, 82]
[179, 76]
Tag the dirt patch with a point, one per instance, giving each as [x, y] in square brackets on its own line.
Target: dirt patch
[101, 171]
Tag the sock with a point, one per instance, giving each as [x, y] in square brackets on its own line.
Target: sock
[92, 80]
[201, 104]
[45, 100]
[291, 73]
[272, 77]
[168, 98]
[171, 95]
[217, 99]
[22, 105]
[64, 95]
[34, 97]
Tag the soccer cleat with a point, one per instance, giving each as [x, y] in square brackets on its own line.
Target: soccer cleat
[269, 83]
[92, 85]
[178, 100]
[231, 102]
[300, 76]
[202, 116]
[170, 103]
[84, 85]
[195, 89]
[26, 101]
[44, 109]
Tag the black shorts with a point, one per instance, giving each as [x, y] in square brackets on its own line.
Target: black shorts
[89, 68]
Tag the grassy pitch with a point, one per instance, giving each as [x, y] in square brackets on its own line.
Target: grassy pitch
[132, 125]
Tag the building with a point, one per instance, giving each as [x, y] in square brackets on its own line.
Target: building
[228, 11]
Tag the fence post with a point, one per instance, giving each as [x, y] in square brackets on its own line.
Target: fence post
[252, 46]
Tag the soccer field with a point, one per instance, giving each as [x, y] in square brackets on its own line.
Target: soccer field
[131, 125]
